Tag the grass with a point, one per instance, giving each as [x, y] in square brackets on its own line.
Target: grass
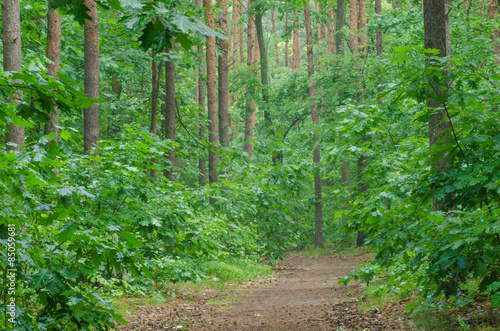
[222, 277]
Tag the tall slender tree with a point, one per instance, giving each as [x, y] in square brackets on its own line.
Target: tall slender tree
[223, 68]
[379, 36]
[250, 106]
[54, 55]
[12, 61]
[275, 35]
[264, 65]
[213, 159]
[169, 113]
[493, 15]
[202, 161]
[287, 64]
[340, 22]
[353, 26]
[318, 220]
[91, 77]
[330, 32]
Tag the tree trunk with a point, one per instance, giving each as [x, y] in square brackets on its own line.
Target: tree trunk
[213, 159]
[264, 66]
[91, 78]
[340, 26]
[362, 27]
[353, 25]
[223, 77]
[155, 92]
[275, 34]
[436, 37]
[379, 42]
[330, 32]
[295, 47]
[250, 110]
[202, 162]
[286, 44]
[318, 221]
[11, 39]
[53, 54]
[241, 38]
[170, 110]
[493, 15]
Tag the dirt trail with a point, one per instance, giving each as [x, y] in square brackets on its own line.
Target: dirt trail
[302, 295]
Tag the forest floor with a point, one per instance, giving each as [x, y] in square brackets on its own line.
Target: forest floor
[301, 294]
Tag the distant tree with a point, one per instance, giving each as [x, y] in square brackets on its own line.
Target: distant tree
[249, 104]
[223, 68]
[169, 113]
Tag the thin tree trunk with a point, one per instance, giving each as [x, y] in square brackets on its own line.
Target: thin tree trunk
[155, 84]
[213, 159]
[379, 36]
[340, 26]
[202, 162]
[362, 27]
[330, 32]
[287, 64]
[53, 54]
[275, 34]
[264, 66]
[91, 78]
[318, 221]
[250, 110]
[493, 15]
[241, 35]
[223, 77]
[170, 110]
[12, 61]
[296, 47]
[353, 25]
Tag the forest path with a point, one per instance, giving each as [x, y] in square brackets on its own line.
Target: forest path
[302, 295]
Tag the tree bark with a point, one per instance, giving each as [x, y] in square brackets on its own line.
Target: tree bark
[353, 25]
[91, 78]
[223, 77]
[213, 159]
[53, 54]
[436, 37]
[250, 108]
[287, 64]
[12, 61]
[241, 35]
[318, 220]
[330, 39]
[339, 26]
[202, 162]
[155, 93]
[170, 110]
[493, 15]
[264, 66]
[379, 36]
[295, 47]
[362, 27]
[275, 34]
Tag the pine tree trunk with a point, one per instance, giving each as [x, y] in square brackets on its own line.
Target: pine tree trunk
[213, 159]
[353, 26]
[241, 35]
[91, 78]
[53, 54]
[170, 110]
[250, 110]
[330, 32]
[379, 40]
[296, 48]
[362, 27]
[223, 77]
[318, 221]
[436, 36]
